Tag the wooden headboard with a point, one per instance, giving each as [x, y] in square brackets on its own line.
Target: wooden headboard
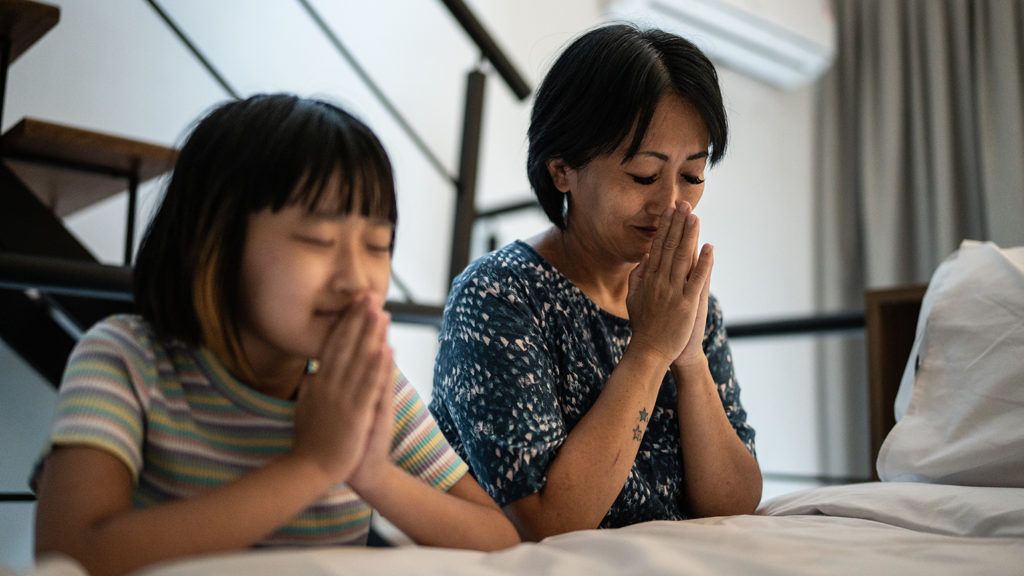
[890, 318]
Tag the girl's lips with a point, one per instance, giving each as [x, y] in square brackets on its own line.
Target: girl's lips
[332, 313]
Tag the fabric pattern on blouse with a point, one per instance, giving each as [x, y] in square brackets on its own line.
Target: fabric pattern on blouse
[182, 424]
[523, 356]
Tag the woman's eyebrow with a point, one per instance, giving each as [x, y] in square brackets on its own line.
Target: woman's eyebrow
[664, 157]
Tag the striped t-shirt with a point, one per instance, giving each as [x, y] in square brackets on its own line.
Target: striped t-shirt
[182, 424]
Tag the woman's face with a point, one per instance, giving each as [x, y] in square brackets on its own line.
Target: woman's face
[615, 204]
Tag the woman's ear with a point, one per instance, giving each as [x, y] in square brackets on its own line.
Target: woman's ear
[560, 172]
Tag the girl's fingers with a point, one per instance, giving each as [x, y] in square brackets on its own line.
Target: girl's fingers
[342, 342]
[352, 350]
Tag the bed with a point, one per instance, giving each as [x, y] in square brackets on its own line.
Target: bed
[950, 499]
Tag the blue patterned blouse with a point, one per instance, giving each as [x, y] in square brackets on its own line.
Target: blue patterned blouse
[524, 354]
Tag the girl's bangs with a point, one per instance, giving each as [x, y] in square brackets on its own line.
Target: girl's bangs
[357, 181]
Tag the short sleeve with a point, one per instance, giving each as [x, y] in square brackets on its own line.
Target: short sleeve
[494, 384]
[719, 355]
[98, 405]
[418, 446]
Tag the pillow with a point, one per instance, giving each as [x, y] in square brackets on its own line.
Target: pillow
[963, 387]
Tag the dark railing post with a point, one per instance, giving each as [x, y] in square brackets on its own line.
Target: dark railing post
[5, 55]
[465, 195]
[129, 230]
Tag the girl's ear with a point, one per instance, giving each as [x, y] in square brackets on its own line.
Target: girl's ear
[560, 172]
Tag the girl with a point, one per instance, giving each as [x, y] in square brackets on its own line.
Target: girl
[253, 401]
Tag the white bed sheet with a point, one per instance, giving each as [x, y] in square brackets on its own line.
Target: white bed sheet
[903, 529]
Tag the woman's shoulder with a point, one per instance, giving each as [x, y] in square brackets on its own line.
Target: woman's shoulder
[512, 260]
[514, 268]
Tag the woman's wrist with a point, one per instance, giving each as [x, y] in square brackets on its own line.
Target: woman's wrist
[692, 370]
[646, 355]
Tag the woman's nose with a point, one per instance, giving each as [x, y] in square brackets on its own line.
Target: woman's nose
[666, 195]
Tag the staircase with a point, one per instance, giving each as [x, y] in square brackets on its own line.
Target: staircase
[47, 172]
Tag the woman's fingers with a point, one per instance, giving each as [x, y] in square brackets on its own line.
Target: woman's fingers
[657, 245]
[674, 248]
[683, 260]
[700, 276]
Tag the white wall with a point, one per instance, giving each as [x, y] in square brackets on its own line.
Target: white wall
[111, 65]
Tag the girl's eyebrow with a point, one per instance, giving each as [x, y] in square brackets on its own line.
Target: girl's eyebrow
[328, 216]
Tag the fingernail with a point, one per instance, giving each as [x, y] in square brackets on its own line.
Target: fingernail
[691, 219]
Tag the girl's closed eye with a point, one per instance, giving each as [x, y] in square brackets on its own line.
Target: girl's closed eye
[379, 240]
[379, 248]
[317, 241]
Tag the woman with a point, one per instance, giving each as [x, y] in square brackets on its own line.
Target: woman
[584, 374]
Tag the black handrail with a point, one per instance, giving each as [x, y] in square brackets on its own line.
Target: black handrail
[488, 47]
[74, 277]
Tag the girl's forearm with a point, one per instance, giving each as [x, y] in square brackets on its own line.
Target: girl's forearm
[463, 517]
[230, 517]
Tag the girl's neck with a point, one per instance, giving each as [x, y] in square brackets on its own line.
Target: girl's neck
[270, 374]
[605, 283]
[283, 385]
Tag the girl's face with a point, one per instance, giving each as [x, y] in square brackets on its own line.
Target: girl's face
[300, 272]
[615, 205]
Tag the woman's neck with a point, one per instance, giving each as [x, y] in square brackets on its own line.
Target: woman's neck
[605, 283]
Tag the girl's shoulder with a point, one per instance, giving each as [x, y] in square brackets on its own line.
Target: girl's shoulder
[129, 331]
[129, 339]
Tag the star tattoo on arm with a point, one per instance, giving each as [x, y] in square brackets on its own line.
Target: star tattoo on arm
[638, 431]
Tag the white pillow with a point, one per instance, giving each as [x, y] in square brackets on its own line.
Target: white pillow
[963, 388]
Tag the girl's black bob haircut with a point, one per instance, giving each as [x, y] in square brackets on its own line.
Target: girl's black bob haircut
[606, 82]
[267, 151]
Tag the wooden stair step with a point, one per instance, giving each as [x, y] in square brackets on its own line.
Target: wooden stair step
[24, 22]
[72, 168]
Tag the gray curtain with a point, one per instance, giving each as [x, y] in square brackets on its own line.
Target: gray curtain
[921, 145]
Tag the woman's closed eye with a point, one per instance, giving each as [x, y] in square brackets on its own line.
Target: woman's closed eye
[648, 180]
[644, 180]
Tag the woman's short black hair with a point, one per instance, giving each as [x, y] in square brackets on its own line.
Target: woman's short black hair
[606, 82]
[267, 151]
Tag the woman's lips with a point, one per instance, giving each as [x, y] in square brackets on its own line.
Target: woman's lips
[647, 231]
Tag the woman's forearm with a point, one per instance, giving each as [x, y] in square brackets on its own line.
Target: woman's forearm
[595, 460]
[722, 476]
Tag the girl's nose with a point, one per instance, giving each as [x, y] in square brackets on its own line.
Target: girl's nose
[349, 273]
